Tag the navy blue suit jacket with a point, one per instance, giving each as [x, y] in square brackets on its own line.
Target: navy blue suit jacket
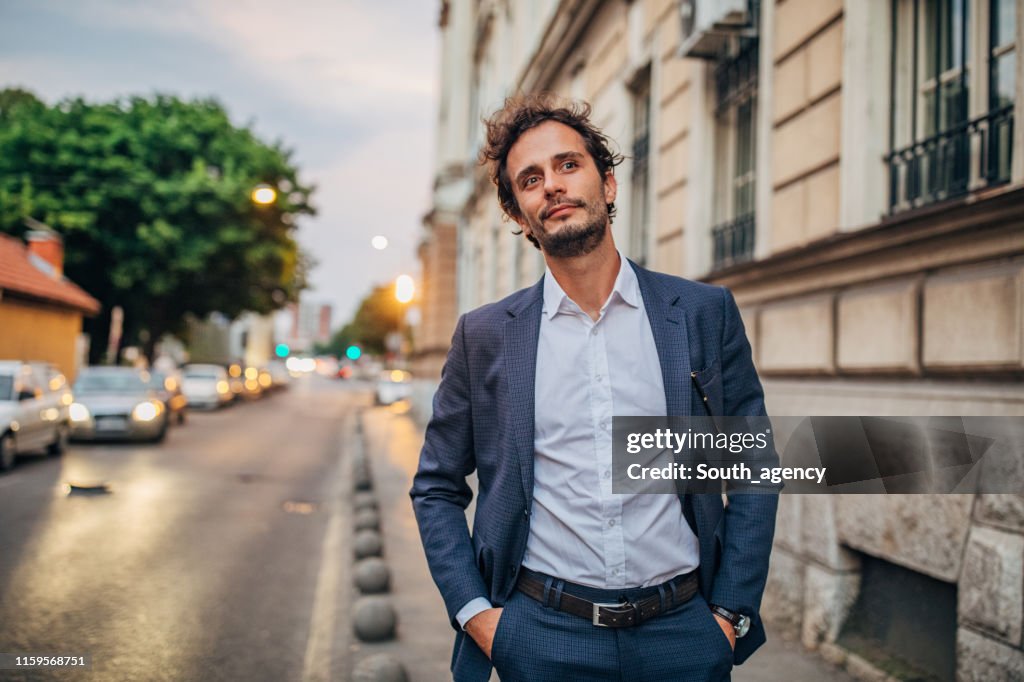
[483, 419]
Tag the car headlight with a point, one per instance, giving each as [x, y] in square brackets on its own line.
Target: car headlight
[146, 412]
[223, 387]
[78, 412]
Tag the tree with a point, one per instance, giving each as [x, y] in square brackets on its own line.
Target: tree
[152, 197]
[379, 314]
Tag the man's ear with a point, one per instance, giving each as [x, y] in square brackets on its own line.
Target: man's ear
[521, 222]
[611, 187]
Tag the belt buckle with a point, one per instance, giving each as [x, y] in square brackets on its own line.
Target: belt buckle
[622, 606]
[597, 612]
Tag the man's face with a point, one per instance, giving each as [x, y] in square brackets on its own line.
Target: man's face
[561, 194]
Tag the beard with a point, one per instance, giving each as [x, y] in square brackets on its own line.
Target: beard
[573, 239]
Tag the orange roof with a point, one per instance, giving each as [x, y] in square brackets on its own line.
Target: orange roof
[18, 275]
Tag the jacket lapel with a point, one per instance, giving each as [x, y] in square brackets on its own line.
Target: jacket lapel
[668, 326]
[522, 332]
[669, 329]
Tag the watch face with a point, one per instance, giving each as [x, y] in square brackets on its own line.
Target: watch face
[743, 626]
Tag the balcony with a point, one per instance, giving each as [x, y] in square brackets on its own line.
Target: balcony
[964, 158]
[733, 242]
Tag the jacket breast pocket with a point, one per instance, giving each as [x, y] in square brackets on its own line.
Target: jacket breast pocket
[708, 385]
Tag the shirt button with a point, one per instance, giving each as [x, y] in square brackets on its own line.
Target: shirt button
[615, 571]
[599, 377]
[607, 473]
[593, 331]
[611, 523]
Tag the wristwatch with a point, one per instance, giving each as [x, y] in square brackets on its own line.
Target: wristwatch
[739, 622]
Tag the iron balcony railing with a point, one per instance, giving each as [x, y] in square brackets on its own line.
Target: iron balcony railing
[967, 156]
[733, 242]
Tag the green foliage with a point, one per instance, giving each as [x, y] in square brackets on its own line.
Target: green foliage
[152, 197]
[378, 315]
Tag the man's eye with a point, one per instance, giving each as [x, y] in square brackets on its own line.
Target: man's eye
[569, 164]
[529, 181]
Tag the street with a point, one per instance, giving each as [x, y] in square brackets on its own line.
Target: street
[224, 553]
[202, 560]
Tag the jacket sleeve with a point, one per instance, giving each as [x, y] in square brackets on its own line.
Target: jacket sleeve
[749, 516]
[440, 493]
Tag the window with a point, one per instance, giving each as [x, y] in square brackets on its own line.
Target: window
[952, 122]
[640, 180]
[1001, 87]
[736, 150]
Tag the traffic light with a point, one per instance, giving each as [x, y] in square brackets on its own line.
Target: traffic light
[353, 352]
[282, 350]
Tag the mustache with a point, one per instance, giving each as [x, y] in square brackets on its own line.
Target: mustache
[548, 210]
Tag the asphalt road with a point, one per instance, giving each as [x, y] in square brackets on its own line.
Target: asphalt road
[204, 559]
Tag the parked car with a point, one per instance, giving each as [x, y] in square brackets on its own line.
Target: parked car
[392, 386]
[206, 386]
[279, 374]
[117, 403]
[167, 386]
[33, 410]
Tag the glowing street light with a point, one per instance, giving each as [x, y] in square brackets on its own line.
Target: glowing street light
[405, 288]
[264, 195]
[380, 242]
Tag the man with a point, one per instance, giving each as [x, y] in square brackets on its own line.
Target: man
[561, 579]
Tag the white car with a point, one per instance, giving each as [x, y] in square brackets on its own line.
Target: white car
[392, 386]
[206, 385]
[34, 402]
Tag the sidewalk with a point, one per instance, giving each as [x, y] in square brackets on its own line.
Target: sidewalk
[425, 637]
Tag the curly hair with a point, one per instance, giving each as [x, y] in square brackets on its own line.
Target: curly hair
[521, 113]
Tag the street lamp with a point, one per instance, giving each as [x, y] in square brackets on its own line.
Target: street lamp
[263, 195]
[405, 289]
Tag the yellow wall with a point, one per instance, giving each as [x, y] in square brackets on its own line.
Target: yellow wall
[37, 333]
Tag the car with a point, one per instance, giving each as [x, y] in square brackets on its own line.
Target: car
[167, 386]
[206, 386]
[117, 403]
[34, 410]
[279, 375]
[392, 386]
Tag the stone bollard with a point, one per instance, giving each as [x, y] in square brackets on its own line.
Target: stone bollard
[367, 543]
[374, 619]
[364, 500]
[379, 668]
[372, 576]
[361, 476]
[367, 519]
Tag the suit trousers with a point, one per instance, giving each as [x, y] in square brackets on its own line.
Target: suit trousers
[538, 643]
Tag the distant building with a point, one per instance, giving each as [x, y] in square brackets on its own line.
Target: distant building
[853, 170]
[40, 310]
[310, 325]
[249, 339]
[323, 330]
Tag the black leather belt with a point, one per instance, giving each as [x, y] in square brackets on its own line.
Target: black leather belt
[678, 591]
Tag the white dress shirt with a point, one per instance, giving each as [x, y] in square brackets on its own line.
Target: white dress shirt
[588, 371]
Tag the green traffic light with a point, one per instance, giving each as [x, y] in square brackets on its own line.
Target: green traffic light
[353, 352]
[282, 350]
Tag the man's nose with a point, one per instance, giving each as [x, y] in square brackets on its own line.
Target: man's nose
[553, 184]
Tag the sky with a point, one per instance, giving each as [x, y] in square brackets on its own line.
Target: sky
[348, 85]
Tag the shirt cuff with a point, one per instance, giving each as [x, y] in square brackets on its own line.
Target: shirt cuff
[474, 607]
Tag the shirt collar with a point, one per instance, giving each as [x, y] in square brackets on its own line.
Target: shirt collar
[626, 287]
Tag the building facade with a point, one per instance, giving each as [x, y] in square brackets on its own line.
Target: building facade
[854, 172]
[40, 310]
